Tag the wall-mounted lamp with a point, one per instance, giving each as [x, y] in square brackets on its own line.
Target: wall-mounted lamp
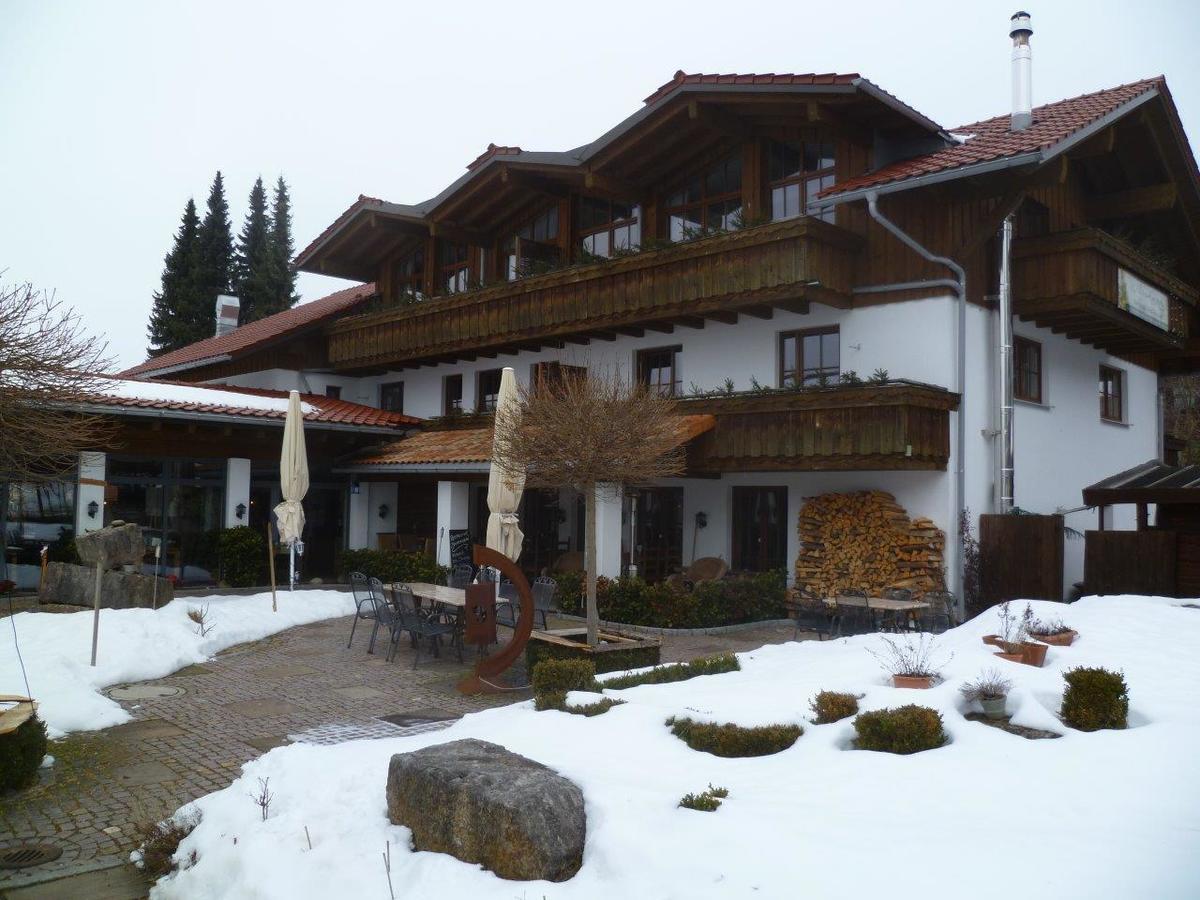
[383, 510]
[354, 488]
[240, 510]
[92, 509]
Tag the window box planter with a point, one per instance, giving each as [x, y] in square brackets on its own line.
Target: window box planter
[913, 681]
[1062, 639]
[615, 652]
[1028, 652]
[993, 640]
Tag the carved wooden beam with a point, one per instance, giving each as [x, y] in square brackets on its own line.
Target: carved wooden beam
[1133, 202]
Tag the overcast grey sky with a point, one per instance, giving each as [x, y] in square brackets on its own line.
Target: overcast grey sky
[114, 113]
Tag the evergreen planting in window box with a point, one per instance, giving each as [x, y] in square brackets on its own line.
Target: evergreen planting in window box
[903, 730]
[735, 741]
[1095, 699]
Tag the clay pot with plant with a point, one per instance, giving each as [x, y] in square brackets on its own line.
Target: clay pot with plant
[910, 662]
[1013, 638]
[990, 690]
[1054, 632]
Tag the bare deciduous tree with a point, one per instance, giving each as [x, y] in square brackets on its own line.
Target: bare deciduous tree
[49, 370]
[587, 432]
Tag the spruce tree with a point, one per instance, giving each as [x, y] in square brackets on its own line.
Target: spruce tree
[216, 250]
[175, 316]
[283, 278]
[253, 262]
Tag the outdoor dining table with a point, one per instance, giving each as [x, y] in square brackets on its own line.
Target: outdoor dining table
[885, 603]
[437, 593]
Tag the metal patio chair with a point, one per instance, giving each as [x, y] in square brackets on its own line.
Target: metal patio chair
[853, 619]
[939, 615]
[545, 591]
[460, 576]
[377, 596]
[420, 627]
[363, 609]
[893, 620]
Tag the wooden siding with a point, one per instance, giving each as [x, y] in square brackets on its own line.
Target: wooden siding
[1021, 557]
[892, 426]
[761, 266]
[1130, 562]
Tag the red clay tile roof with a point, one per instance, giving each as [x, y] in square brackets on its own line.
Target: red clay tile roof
[324, 409]
[682, 78]
[474, 445]
[250, 336]
[992, 138]
[492, 150]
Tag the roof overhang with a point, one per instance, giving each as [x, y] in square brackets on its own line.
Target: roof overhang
[1150, 482]
[215, 418]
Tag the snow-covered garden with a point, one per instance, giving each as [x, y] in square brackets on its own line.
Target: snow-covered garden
[138, 645]
[1111, 813]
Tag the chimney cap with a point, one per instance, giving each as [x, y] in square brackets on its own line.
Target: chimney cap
[1020, 24]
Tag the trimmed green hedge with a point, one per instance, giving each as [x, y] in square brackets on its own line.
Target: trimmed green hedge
[21, 754]
[1095, 698]
[391, 565]
[904, 730]
[705, 665]
[831, 706]
[636, 656]
[731, 740]
[242, 553]
[710, 604]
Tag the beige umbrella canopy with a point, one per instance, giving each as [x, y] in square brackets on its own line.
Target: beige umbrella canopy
[504, 487]
[293, 479]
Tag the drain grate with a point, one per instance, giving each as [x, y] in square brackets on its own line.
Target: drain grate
[23, 856]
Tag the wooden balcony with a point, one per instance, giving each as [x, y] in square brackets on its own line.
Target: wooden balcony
[897, 425]
[1071, 283]
[750, 272]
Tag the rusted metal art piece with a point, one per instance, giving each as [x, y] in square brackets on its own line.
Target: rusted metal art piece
[479, 615]
[491, 666]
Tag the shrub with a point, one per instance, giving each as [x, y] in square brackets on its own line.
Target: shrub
[910, 657]
[731, 740]
[906, 729]
[991, 685]
[242, 552]
[563, 675]
[597, 708]
[160, 840]
[21, 753]
[831, 706]
[391, 565]
[705, 665]
[1095, 698]
[705, 801]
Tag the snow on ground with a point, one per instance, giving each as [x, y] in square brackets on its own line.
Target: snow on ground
[137, 645]
[1108, 814]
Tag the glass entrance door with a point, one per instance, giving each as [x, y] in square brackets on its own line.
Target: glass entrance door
[759, 528]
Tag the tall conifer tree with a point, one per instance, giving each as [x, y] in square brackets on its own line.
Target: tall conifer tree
[253, 266]
[176, 318]
[283, 278]
[216, 249]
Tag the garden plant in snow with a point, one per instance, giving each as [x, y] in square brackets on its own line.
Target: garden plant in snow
[912, 657]
[990, 690]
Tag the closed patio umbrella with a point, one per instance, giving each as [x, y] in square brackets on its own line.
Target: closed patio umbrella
[293, 480]
[504, 488]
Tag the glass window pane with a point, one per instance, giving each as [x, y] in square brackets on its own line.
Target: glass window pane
[792, 200]
[778, 209]
[621, 237]
[600, 246]
[714, 181]
[733, 174]
[830, 350]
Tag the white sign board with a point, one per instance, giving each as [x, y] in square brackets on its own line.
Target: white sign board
[1142, 300]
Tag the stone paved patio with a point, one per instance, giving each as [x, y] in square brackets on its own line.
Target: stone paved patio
[302, 682]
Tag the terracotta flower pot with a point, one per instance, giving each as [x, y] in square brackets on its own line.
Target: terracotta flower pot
[912, 681]
[1012, 657]
[992, 639]
[1033, 654]
[1065, 639]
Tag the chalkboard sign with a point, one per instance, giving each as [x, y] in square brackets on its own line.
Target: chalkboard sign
[460, 547]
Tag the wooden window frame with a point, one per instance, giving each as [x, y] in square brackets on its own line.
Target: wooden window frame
[480, 404]
[824, 176]
[1114, 398]
[705, 200]
[1020, 387]
[333, 391]
[609, 228]
[452, 408]
[412, 281]
[675, 385]
[383, 388]
[552, 372]
[739, 523]
[799, 336]
[454, 276]
[511, 255]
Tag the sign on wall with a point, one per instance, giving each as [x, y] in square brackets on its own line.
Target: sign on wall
[1142, 300]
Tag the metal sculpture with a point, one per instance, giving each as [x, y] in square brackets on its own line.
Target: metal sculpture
[491, 667]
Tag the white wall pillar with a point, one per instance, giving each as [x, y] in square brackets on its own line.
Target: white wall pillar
[237, 490]
[91, 490]
[358, 524]
[453, 501]
[608, 530]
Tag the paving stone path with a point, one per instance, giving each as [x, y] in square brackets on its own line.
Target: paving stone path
[302, 684]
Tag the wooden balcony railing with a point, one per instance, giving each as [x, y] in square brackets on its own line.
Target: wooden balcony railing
[783, 264]
[1071, 282]
[896, 425]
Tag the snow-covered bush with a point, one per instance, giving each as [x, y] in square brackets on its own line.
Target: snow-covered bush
[733, 740]
[1095, 698]
[905, 729]
[832, 706]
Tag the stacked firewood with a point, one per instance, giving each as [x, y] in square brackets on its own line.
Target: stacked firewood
[865, 540]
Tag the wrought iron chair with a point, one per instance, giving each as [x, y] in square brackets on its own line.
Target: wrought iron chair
[378, 596]
[813, 614]
[362, 602]
[545, 590]
[939, 615]
[896, 620]
[852, 618]
[460, 576]
[506, 601]
[384, 614]
[420, 627]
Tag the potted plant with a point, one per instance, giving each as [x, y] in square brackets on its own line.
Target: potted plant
[1013, 638]
[1054, 632]
[991, 691]
[910, 663]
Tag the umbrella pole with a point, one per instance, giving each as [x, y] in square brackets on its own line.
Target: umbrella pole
[292, 566]
[271, 565]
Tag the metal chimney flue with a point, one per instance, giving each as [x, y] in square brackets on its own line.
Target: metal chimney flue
[228, 308]
[1022, 72]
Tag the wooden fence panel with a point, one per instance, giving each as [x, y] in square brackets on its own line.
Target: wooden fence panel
[1130, 562]
[1021, 557]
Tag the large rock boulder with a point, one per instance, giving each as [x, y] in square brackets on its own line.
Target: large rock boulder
[120, 545]
[482, 804]
[76, 586]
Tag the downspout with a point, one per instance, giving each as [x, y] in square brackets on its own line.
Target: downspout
[1005, 482]
[960, 436]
